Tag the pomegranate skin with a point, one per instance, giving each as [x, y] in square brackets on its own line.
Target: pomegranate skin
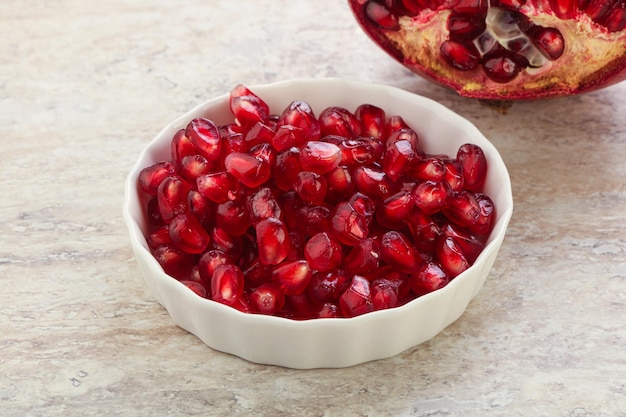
[589, 55]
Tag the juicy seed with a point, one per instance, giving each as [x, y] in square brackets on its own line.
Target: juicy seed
[460, 56]
[188, 234]
[372, 120]
[550, 42]
[267, 299]
[273, 241]
[473, 165]
[357, 298]
[205, 136]
[397, 250]
[151, 177]
[381, 16]
[323, 252]
[428, 278]
[327, 286]
[320, 157]
[502, 68]
[292, 277]
[247, 107]
[227, 284]
[339, 121]
[218, 187]
[251, 171]
[311, 187]
[348, 226]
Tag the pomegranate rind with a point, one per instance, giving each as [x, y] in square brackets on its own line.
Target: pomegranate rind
[593, 58]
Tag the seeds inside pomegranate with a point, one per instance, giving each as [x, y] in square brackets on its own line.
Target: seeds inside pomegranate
[340, 216]
[503, 49]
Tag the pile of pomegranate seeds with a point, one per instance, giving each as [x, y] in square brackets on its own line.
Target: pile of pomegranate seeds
[306, 216]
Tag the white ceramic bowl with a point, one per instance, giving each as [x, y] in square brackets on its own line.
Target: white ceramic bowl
[326, 343]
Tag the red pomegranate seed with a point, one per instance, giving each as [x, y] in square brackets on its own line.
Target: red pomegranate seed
[372, 120]
[393, 124]
[296, 246]
[395, 278]
[299, 307]
[181, 146]
[232, 141]
[193, 166]
[272, 241]
[327, 286]
[256, 273]
[262, 204]
[397, 250]
[174, 262]
[463, 26]
[363, 258]
[374, 183]
[227, 284]
[398, 158]
[431, 196]
[339, 121]
[384, 294]
[428, 278]
[357, 298]
[462, 209]
[615, 19]
[188, 234]
[196, 287]
[218, 187]
[363, 205]
[428, 169]
[348, 226]
[359, 151]
[487, 213]
[425, 231]
[550, 42]
[232, 217]
[259, 133]
[461, 56]
[205, 136]
[172, 197]
[469, 244]
[154, 215]
[451, 257]
[247, 107]
[267, 299]
[288, 136]
[399, 206]
[404, 134]
[265, 153]
[207, 263]
[287, 168]
[242, 304]
[501, 68]
[328, 311]
[319, 157]
[151, 177]
[311, 187]
[292, 277]
[159, 236]
[300, 114]
[231, 245]
[339, 184]
[201, 208]
[251, 171]
[380, 15]
[311, 219]
[323, 252]
[454, 175]
[473, 166]
[471, 6]
[290, 203]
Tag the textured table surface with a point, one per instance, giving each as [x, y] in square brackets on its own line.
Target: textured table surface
[85, 85]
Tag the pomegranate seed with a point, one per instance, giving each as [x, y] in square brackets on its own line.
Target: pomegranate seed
[384, 294]
[431, 196]
[319, 157]
[487, 213]
[259, 133]
[393, 124]
[462, 209]
[153, 213]
[296, 246]
[469, 244]
[312, 219]
[359, 151]
[292, 277]
[288, 136]
[550, 42]
[262, 204]
[299, 114]
[290, 202]
[339, 184]
[181, 147]
[232, 217]
[363, 205]
[159, 236]
[396, 250]
[374, 183]
[372, 120]
[265, 153]
[397, 279]
[461, 56]
[272, 240]
[196, 287]
[232, 246]
[242, 304]
[463, 26]
[205, 136]
[473, 166]
[398, 158]
[454, 175]
[218, 187]
[428, 278]
[267, 299]
[299, 307]
[201, 208]
[501, 68]
[328, 311]
[174, 262]
[348, 226]
[399, 206]
[381, 16]
[339, 121]
[451, 257]
[327, 286]
[172, 197]
[151, 177]
[257, 273]
[471, 6]
[357, 298]
[311, 187]
[323, 252]
[363, 258]
[287, 168]
[425, 231]
[428, 169]
[247, 107]
[232, 140]
[227, 284]
[615, 19]
[251, 171]
[207, 264]
[192, 166]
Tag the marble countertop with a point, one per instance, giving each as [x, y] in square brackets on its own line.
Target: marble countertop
[85, 85]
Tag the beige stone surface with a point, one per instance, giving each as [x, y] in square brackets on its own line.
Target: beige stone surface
[85, 85]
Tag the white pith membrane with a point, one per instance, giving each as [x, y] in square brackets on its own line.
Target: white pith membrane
[420, 37]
